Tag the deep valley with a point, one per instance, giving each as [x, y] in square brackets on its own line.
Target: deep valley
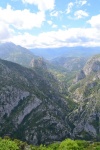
[42, 101]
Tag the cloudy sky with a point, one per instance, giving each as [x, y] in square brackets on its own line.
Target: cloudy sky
[50, 23]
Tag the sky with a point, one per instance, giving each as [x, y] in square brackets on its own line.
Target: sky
[50, 23]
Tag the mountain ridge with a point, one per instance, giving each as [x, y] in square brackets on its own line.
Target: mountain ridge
[32, 107]
[86, 91]
[38, 108]
[52, 53]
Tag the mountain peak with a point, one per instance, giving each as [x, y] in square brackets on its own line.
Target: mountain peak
[93, 65]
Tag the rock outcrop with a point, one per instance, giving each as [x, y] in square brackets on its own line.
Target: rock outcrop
[31, 105]
[92, 65]
[86, 92]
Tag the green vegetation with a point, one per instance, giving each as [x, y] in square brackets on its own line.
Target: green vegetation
[7, 144]
[67, 144]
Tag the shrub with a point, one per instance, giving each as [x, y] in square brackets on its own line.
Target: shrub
[69, 144]
[7, 144]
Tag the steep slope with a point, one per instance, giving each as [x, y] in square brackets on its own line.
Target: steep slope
[17, 54]
[69, 63]
[31, 106]
[86, 91]
[93, 65]
[60, 67]
[22, 56]
[32, 101]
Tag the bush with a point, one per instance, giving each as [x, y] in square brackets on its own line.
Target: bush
[82, 144]
[68, 144]
[7, 144]
[54, 146]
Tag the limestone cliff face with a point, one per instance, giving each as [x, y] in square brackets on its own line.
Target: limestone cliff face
[93, 65]
[80, 76]
[9, 99]
[86, 92]
[31, 105]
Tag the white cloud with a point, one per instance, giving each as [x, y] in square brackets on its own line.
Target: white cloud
[80, 14]
[69, 8]
[42, 5]
[54, 13]
[5, 31]
[66, 37]
[21, 19]
[81, 2]
[54, 26]
[65, 27]
[49, 22]
[95, 21]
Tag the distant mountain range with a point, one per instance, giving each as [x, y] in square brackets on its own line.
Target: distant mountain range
[70, 58]
[51, 53]
[24, 57]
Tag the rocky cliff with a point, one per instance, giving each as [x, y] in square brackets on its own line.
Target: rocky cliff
[69, 64]
[35, 108]
[31, 105]
[86, 91]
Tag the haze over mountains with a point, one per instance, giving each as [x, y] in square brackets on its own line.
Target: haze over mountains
[78, 51]
[9, 48]
[44, 101]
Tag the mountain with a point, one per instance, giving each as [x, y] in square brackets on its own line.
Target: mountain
[17, 54]
[43, 102]
[78, 51]
[86, 91]
[69, 63]
[32, 107]
[21, 55]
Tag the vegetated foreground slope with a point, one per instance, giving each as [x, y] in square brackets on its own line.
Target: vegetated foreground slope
[31, 105]
[86, 91]
[7, 144]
